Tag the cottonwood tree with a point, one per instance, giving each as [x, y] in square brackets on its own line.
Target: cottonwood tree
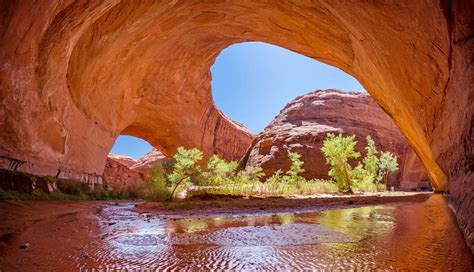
[387, 164]
[219, 171]
[185, 167]
[371, 161]
[338, 150]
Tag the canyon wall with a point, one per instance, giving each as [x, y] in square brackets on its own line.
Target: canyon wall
[123, 172]
[76, 74]
[302, 127]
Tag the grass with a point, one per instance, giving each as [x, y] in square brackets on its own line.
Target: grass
[38, 194]
[67, 190]
[368, 187]
[279, 188]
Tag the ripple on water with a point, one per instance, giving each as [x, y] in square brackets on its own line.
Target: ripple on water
[403, 236]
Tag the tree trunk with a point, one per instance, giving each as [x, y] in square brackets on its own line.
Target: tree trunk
[175, 187]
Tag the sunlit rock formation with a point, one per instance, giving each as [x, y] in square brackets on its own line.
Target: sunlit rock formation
[123, 172]
[303, 124]
[76, 74]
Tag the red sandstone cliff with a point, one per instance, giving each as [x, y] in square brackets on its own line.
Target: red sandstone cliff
[122, 172]
[302, 126]
[76, 74]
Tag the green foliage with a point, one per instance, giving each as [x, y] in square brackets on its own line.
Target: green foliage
[219, 171]
[363, 182]
[275, 178]
[387, 164]
[370, 160]
[296, 167]
[185, 167]
[365, 177]
[338, 150]
[255, 173]
[318, 186]
[222, 178]
[72, 187]
[157, 184]
[292, 183]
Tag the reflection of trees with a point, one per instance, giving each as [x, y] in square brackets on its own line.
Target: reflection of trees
[286, 218]
[192, 225]
[359, 222]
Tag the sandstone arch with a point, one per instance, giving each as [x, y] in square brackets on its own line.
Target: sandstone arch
[76, 74]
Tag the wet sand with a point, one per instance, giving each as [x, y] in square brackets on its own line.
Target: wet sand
[403, 232]
[229, 205]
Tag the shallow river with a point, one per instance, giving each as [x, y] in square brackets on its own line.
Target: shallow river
[391, 236]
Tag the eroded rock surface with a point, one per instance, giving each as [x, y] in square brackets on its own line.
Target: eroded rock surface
[123, 172]
[303, 124]
[76, 74]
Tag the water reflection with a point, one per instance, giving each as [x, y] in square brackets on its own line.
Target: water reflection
[403, 236]
[360, 222]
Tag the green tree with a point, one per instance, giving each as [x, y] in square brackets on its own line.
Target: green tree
[219, 171]
[254, 174]
[371, 161]
[296, 167]
[185, 167]
[387, 164]
[337, 150]
[157, 183]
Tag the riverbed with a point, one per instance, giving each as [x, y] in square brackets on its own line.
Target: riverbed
[420, 234]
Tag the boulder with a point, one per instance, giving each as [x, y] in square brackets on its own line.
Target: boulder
[302, 127]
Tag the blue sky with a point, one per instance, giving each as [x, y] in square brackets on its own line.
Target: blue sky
[253, 81]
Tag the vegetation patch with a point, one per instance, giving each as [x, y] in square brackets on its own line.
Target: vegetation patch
[223, 178]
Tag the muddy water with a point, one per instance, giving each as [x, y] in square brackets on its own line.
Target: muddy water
[390, 236]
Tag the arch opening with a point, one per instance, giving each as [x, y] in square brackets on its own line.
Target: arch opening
[253, 81]
[130, 164]
[84, 62]
[150, 103]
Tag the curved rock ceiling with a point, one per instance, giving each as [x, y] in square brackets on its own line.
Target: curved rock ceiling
[76, 74]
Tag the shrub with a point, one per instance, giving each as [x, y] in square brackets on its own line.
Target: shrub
[72, 187]
[337, 150]
[218, 171]
[157, 184]
[296, 167]
[370, 161]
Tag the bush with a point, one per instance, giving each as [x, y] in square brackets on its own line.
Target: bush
[296, 167]
[157, 184]
[218, 172]
[338, 150]
[72, 187]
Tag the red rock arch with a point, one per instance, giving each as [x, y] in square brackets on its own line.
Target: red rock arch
[76, 74]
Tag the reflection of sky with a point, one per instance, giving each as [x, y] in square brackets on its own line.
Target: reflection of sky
[365, 238]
